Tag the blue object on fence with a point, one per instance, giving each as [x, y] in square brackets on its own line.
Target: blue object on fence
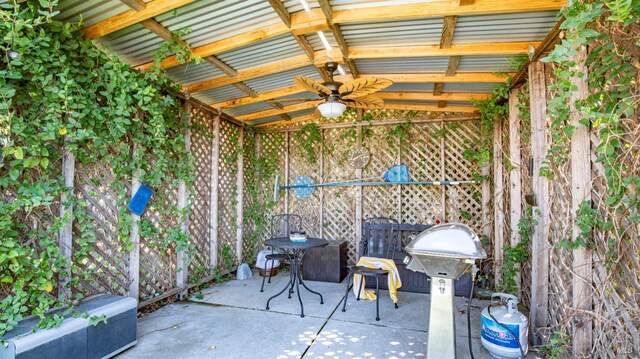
[397, 173]
[140, 200]
[303, 192]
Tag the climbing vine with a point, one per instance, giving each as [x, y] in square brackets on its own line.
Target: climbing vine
[515, 256]
[309, 137]
[63, 94]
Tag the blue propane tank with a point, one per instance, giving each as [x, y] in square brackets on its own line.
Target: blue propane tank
[499, 335]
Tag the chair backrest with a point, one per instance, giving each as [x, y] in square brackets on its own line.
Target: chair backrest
[283, 224]
[380, 237]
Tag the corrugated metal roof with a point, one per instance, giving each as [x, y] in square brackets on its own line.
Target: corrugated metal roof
[529, 26]
[265, 120]
[356, 4]
[250, 108]
[213, 20]
[393, 33]
[316, 44]
[410, 87]
[219, 94]
[281, 80]
[469, 87]
[304, 112]
[92, 11]
[486, 63]
[294, 6]
[187, 74]
[134, 45]
[402, 65]
[305, 95]
[262, 53]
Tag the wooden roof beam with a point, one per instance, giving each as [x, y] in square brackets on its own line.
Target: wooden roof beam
[282, 11]
[464, 77]
[426, 96]
[267, 113]
[301, 23]
[290, 121]
[466, 2]
[495, 48]
[325, 6]
[284, 65]
[131, 17]
[418, 107]
[443, 8]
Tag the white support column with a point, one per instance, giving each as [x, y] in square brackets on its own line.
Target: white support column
[515, 193]
[182, 280]
[134, 237]
[539, 316]
[581, 192]
[498, 199]
[65, 239]
[239, 201]
[213, 215]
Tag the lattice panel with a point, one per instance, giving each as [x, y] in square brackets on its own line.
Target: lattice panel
[250, 243]
[464, 202]
[201, 150]
[423, 203]
[273, 145]
[227, 191]
[381, 201]
[308, 208]
[106, 265]
[157, 259]
[339, 212]
[526, 188]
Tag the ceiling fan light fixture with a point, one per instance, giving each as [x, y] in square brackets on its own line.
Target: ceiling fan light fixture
[331, 108]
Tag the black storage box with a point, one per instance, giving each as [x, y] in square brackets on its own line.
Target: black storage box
[326, 264]
[75, 337]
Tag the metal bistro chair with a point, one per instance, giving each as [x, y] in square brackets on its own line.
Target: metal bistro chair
[380, 239]
[281, 226]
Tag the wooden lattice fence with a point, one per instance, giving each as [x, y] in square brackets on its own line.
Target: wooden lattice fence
[430, 148]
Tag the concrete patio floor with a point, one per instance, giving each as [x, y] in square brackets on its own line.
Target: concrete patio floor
[230, 321]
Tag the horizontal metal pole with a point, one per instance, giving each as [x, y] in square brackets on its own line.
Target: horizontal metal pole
[338, 184]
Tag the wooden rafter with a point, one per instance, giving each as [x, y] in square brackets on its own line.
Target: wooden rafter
[426, 96]
[448, 27]
[443, 8]
[437, 88]
[452, 66]
[282, 11]
[466, 2]
[325, 6]
[284, 65]
[497, 48]
[415, 107]
[301, 23]
[131, 17]
[246, 89]
[440, 77]
[220, 65]
[290, 121]
[267, 113]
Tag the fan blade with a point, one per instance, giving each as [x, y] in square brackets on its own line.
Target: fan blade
[366, 102]
[311, 85]
[363, 87]
[295, 100]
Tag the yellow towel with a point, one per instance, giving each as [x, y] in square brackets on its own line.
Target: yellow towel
[393, 279]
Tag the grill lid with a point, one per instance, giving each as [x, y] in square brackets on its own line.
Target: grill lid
[448, 240]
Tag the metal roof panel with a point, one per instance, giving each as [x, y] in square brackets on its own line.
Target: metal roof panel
[393, 33]
[219, 94]
[262, 53]
[281, 80]
[530, 26]
[403, 65]
[189, 73]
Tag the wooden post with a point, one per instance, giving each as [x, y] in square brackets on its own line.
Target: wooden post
[515, 193]
[539, 317]
[213, 216]
[498, 199]
[580, 192]
[239, 196]
[65, 239]
[358, 189]
[321, 181]
[134, 237]
[443, 189]
[182, 280]
[286, 170]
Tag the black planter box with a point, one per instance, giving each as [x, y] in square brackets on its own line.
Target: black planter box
[326, 264]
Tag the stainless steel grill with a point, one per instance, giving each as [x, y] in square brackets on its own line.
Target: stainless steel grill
[444, 253]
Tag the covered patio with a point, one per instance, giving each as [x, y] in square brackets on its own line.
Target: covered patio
[148, 145]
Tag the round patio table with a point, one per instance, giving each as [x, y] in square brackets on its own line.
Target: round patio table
[295, 251]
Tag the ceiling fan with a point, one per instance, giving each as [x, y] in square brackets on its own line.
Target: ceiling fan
[337, 95]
